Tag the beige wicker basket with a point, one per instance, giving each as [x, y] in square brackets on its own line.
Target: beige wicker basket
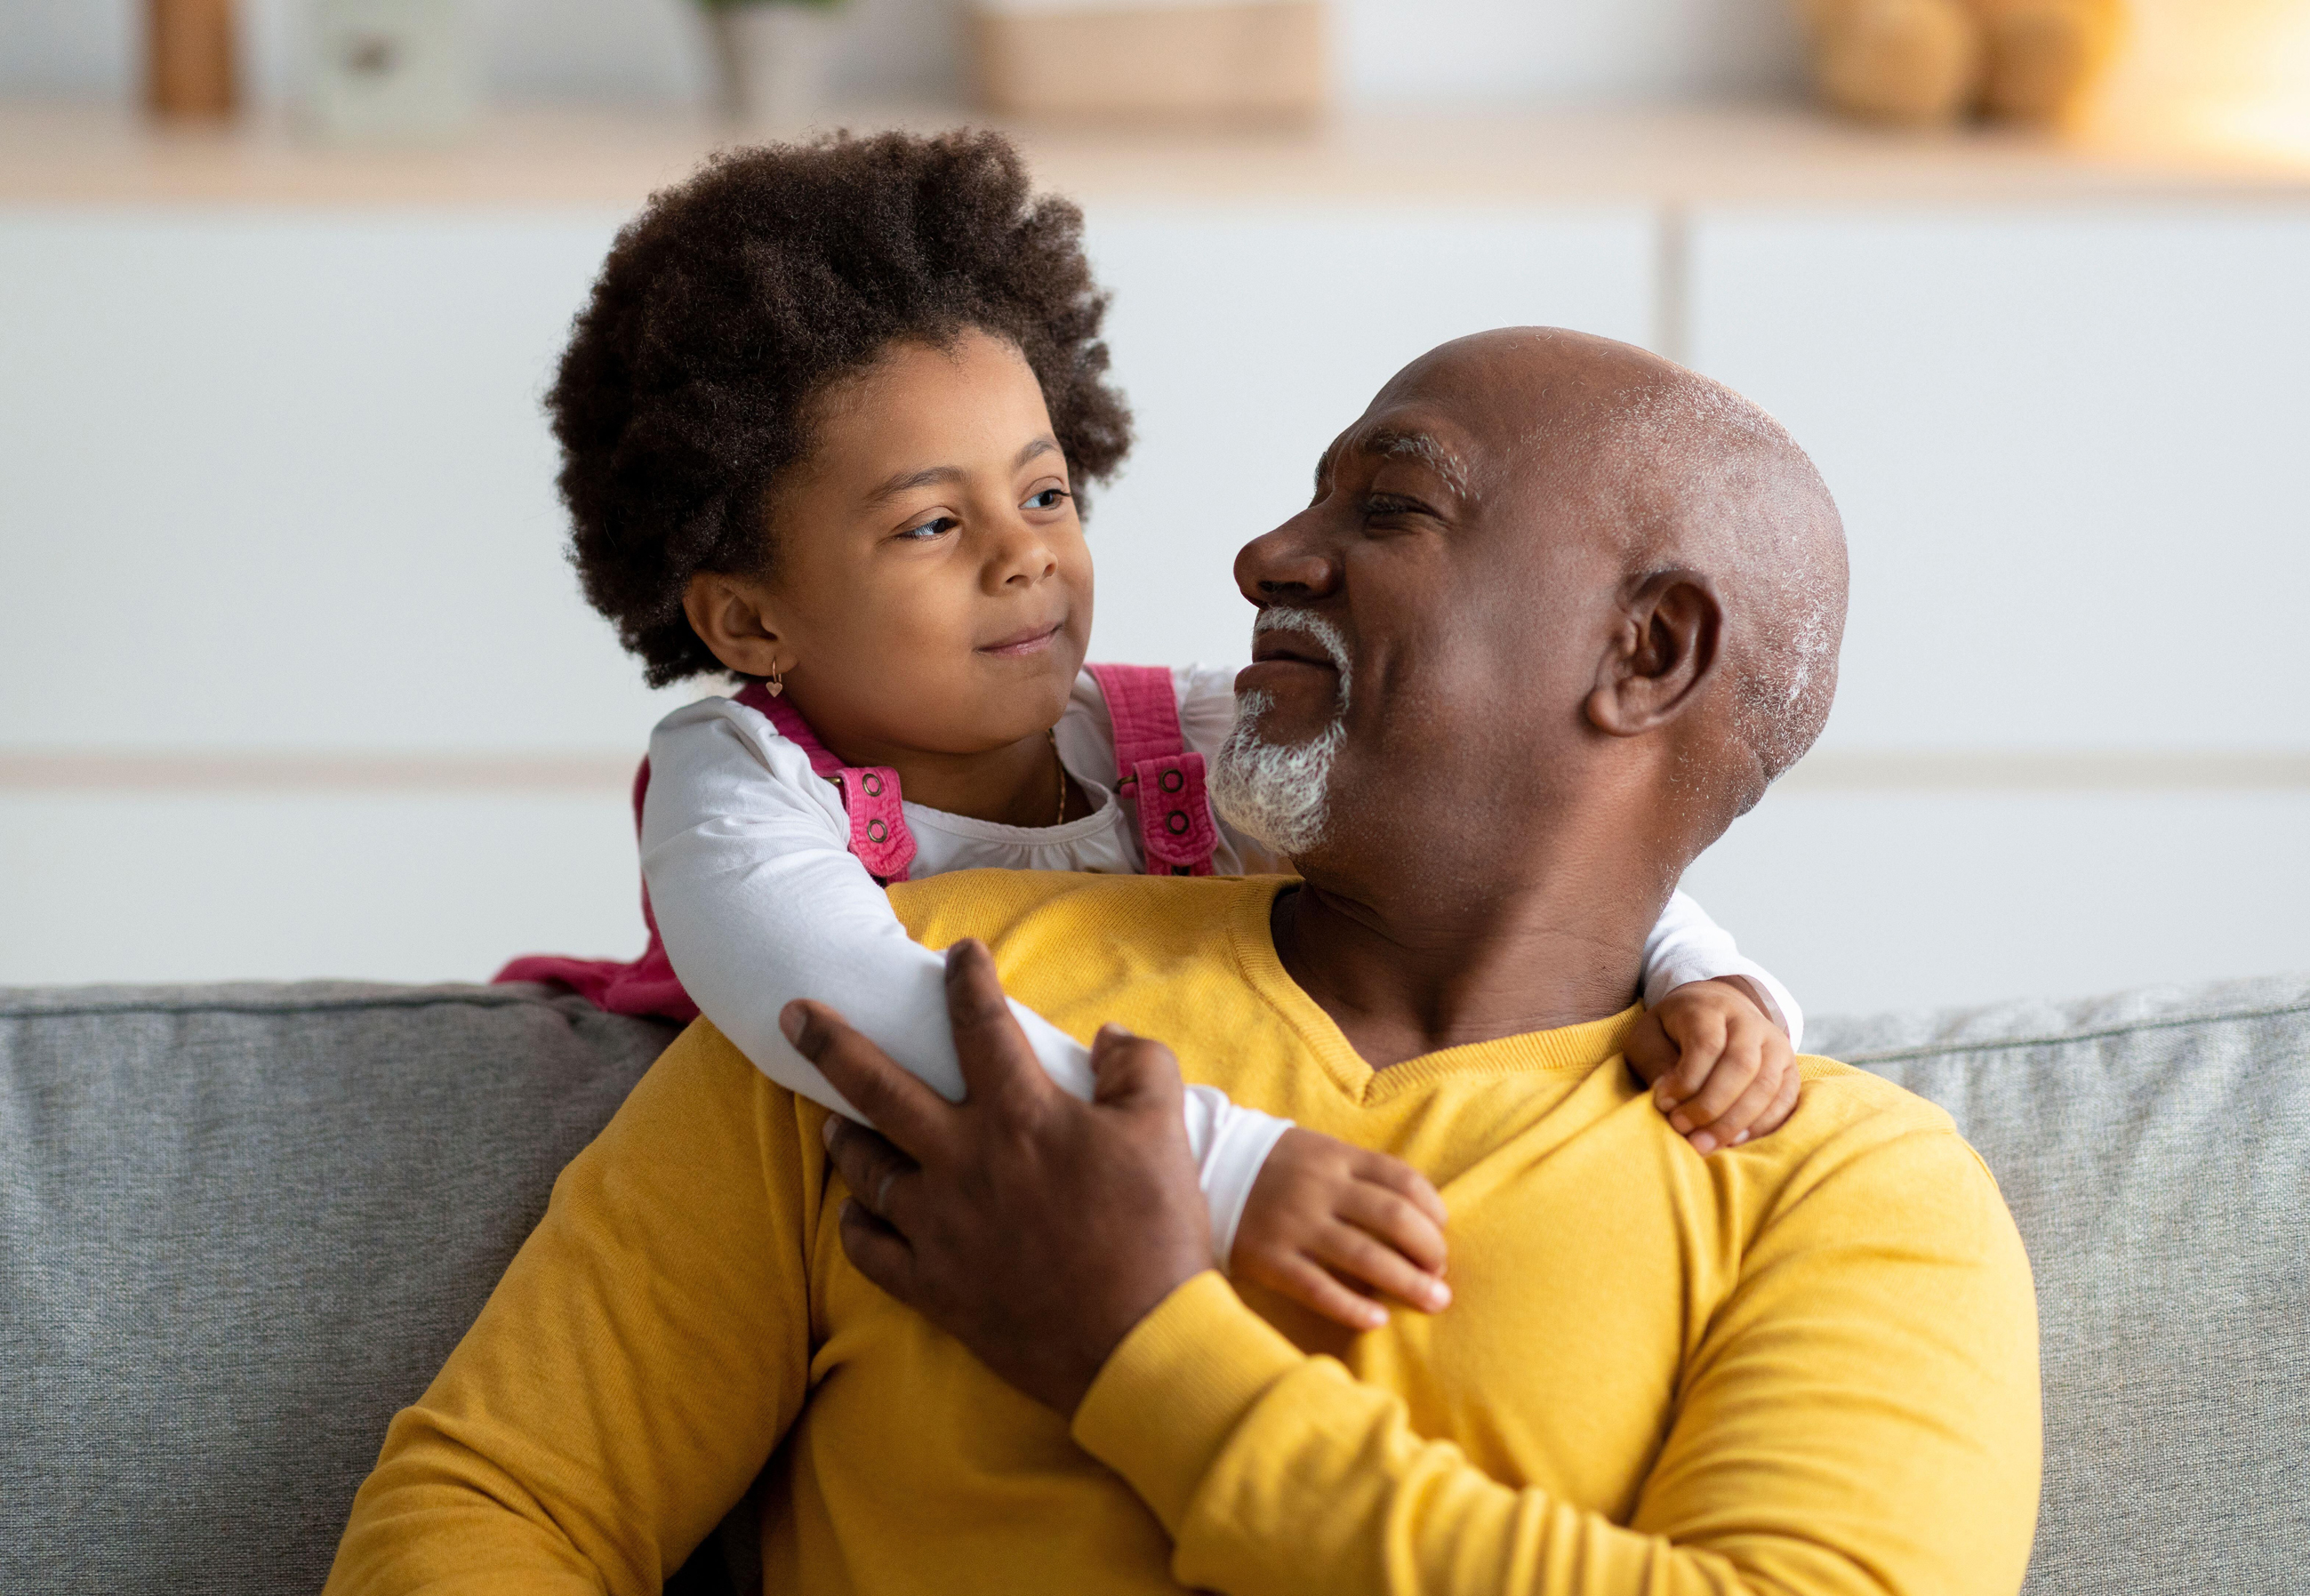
[1258, 61]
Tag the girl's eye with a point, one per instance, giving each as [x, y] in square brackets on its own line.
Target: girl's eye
[929, 529]
[1049, 499]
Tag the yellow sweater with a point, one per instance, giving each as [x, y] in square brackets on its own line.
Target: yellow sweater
[1808, 1365]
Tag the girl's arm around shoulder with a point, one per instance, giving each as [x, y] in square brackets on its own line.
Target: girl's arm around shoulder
[760, 902]
[1717, 1043]
[1686, 946]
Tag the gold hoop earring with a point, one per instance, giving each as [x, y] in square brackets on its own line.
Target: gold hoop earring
[778, 681]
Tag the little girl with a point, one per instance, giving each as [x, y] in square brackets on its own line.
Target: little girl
[825, 422]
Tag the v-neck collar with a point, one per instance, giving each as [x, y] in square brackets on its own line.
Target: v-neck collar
[1581, 1047]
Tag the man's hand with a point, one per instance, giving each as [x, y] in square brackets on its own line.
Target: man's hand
[1034, 1228]
[1719, 1067]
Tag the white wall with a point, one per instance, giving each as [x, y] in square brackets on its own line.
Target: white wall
[648, 50]
[1249, 337]
[277, 483]
[2067, 442]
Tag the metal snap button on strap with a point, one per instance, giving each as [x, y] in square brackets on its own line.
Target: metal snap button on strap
[874, 785]
[876, 831]
[1177, 822]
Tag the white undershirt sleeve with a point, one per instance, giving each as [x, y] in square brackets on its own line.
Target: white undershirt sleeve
[759, 902]
[1688, 946]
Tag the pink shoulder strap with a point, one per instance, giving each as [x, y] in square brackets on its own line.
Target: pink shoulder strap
[879, 836]
[1157, 770]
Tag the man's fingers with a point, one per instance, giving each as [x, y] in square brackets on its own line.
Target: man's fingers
[880, 1253]
[993, 1050]
[1311, 1286]
[1354, 1254]
[876, 1173]
[900, 1106]
[1127, 1068]
[1396, 1222]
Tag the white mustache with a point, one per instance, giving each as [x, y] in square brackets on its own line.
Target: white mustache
[1281, 618]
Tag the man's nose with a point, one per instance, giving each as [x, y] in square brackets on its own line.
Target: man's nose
[1293, 562]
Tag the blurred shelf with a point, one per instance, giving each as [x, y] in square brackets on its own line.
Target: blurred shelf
[78, 153]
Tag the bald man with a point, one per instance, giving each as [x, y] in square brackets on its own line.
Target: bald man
[1558, 612]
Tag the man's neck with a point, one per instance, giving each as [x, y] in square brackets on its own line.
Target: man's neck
[1403, 979]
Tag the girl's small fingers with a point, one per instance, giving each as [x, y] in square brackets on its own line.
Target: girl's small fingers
[1725, 1083]
[1397, 1223]
[1354, 1254]
[1649, 1051]
[1706, 1042]
[1312, 1287]
[1405, 1182]
[1739, 1122]
[1785, 1104]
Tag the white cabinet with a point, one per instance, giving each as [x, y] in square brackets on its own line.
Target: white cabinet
[2072, 448]
[281, 480]
[278, 480]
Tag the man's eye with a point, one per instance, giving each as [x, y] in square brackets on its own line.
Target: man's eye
[929, 529]
[1388, 505]
[1049, 499]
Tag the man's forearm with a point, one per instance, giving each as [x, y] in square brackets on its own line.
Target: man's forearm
[1276, 1471]
[1279, 1472]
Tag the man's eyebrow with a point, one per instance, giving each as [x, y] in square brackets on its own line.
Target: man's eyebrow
[931, 476]
[1420, 447]
[1323, 463]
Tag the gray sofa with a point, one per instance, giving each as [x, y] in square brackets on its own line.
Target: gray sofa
[240, 1225]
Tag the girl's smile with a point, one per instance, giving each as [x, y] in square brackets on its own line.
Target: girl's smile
[1033, 640]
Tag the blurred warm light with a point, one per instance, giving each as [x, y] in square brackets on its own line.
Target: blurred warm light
[2226, 75]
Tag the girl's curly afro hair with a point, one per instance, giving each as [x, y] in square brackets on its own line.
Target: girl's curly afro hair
[739, 295]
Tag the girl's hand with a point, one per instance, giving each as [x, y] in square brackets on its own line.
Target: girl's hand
[1327, 1222]
[1719, 1068]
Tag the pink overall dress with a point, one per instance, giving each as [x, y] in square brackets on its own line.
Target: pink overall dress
[1154, 769]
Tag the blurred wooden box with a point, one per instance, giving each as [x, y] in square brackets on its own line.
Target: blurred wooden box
[1259, 60]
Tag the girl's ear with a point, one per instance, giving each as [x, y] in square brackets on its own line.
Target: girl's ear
[1663, 649]
[732, 616]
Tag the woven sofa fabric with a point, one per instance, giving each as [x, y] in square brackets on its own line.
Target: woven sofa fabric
[240, 1227]
[2155, 1149]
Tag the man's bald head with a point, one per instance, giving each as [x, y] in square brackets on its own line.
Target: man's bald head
[1550, 586]
[1681, 474]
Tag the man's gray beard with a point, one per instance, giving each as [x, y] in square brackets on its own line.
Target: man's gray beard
[1278, 794]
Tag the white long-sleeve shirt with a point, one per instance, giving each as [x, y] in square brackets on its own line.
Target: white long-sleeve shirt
[760, 901]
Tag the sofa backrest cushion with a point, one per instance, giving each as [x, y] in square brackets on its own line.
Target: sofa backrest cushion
[2155, 1148]
[240, 1227]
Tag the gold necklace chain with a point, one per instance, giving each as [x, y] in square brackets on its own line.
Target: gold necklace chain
[1054, 735]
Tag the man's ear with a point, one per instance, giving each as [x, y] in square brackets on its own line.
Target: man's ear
[1662, 649]
[732, 616]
